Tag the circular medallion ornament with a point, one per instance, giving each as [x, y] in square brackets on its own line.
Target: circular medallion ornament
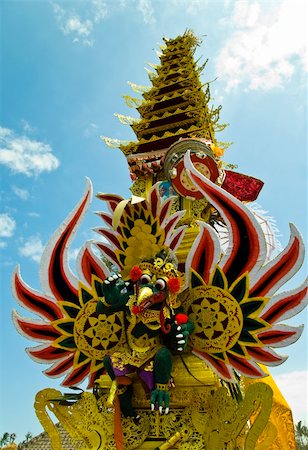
[202, 158]
[217, 317]
[98, 334]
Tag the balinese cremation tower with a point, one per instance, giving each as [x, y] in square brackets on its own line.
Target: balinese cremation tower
[177, 317]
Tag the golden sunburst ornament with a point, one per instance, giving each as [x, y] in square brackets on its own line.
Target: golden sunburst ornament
[227, 321]
[89, 335]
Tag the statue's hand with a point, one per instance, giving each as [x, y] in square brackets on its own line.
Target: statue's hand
[115, 290]
[116, 293]
[181, 329]
[181, 337]
[160, 396]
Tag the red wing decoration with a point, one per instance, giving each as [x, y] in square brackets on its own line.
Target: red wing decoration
[69, 320]
[232, 301]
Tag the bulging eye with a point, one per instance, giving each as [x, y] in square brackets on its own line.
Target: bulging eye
[160, 284]
[145, 279]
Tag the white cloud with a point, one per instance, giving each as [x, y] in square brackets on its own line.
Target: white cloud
[246, 13]
[34, 214]
[21, 193]
[193, 7]
[3, 244]
[90, 130]
[99, 10]
[80, 25]
[70, 23]
[81, 29]
[294, 388]
[27, 128]
[24, 155]
[146, 9]
[266, 45]
[7, 225]
[32, 248]
[75, 25]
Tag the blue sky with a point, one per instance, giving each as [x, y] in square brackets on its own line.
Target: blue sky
[65, 67]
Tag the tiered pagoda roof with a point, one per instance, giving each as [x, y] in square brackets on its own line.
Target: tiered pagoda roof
[176, 105]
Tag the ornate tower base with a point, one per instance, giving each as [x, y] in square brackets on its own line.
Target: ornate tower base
[203, 416]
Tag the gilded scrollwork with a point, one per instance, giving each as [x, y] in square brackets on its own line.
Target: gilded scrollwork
[139, 187]
[211, 420]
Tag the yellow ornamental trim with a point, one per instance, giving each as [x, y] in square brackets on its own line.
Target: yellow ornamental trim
[193, 96]
[171, 95]
[188, 67]
[166, 109]
[197, 113]
[139, 127]
[224, 146]
[177, 43]
[139, 89]
[152, 75]
[164, 67]
[151, 93]
[146, 108]
[167, 126]
[169, 112]
[220, 127]
[153, 65]
[175, 56]
[132, 147]
[193, 83]
[215, 114]
[170, 52]
[191, 111]
[188, 94]
[188, 80]
[132, 102]
[114, 143]
[190, 131]
[186, 42]
[126, 120]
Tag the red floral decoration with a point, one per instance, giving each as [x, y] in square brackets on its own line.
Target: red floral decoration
[135, 273]
[135, 310]
[181, 319]
[174, 285]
